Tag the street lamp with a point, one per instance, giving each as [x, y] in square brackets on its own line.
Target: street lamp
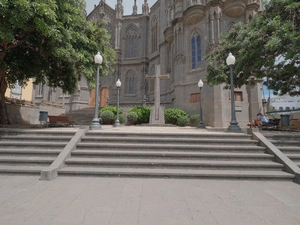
[118, 84]
[95, 125]
[201, 125]
[234, 127]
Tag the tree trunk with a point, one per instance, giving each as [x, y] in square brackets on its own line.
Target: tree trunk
[3, 109]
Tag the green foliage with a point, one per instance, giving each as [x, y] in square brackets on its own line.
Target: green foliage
[183, 121]
[268, 47]
[195, 120]
[132, 117]
[143, 114]
[52, 41]
[112, 109]
[107, 117]
[172, 115]
[122, 118]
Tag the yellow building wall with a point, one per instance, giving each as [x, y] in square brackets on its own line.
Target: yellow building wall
[26, 91]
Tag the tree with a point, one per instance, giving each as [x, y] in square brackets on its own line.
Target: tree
[51, 41]
[266, 47]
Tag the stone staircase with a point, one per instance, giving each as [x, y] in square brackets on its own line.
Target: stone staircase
[172, 155]
[288, 143]
[28, 151]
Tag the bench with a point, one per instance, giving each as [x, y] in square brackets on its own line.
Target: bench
[60, 120]
[273, 124]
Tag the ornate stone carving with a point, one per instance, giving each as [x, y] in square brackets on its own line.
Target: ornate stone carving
[234, 8]
[194, 14]
[169, 36]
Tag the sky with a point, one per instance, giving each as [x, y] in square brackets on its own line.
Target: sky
[128, 4]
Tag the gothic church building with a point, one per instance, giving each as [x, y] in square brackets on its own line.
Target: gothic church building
[175, 34]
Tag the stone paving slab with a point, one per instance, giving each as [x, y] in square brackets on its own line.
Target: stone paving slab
[121, 201]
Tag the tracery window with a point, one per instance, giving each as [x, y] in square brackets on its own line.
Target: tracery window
[132, 42]
[196, 49]
[130, 83]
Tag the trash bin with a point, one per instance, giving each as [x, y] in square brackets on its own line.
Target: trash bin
[285, 121]
[43, 117]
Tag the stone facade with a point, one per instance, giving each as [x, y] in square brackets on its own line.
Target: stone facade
[175, 34]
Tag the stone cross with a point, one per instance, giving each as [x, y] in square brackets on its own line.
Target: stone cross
[157, 112]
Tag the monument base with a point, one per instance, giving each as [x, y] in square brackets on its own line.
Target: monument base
[157, 115]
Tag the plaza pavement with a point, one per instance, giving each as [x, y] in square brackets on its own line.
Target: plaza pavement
[126, 201]
[26, 200]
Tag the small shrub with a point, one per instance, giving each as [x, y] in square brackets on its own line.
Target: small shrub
[122, 118]
[195, 120]
[132, 117]
[113, 109]
[107, 117]
[183, 121]
[143, 114]
[172, 115]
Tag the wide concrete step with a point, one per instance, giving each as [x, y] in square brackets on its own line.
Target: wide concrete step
[173, 173]
[37, 132]
[171, 163]
[173, 147]
[171, 155]
[32, 145]
[293, 156]
[30, 152]
[221, 135]
[289, 149]
[26, 160]
[173, 140]
[286, 143]
[21, 170]
[283, 136]
[33, 138]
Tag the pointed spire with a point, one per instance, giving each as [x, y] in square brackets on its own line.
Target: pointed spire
[135, 8]
[145, 8]
[119, 9]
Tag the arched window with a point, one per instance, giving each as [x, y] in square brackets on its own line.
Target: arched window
[196, 49]
[132, 42]
[130, 83]
[154, 34]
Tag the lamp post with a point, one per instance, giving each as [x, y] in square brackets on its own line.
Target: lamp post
[118, 84]
[200, 125]
[95, 125]
[234, 127]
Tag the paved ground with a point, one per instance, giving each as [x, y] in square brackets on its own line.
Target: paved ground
[123, 201]
[26, 200]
